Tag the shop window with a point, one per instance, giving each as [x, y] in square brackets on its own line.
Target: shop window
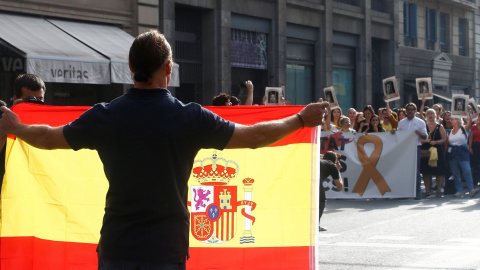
[248, 49]
[299, 88]
[430, 28]
[444, 33]
[300, 66]
[344, 76]
[410, 24]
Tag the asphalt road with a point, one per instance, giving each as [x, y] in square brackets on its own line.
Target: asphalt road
[437, 233]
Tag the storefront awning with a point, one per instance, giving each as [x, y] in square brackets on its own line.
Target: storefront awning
[71, 52]
[109, 41]
[51, 53]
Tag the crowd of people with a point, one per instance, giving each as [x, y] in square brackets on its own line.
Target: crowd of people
[454, 145]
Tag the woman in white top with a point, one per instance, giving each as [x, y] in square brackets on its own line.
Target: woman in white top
[458, 156]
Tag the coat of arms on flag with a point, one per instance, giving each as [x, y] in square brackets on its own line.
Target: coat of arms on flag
[214, 203]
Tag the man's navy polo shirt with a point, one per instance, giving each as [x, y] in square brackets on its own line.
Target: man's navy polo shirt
[147, 141]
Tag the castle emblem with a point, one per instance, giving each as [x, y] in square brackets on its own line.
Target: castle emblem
[214, 203]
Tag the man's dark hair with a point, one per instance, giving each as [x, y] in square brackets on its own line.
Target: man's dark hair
[29, 81]
[149, 52]
[235, 101]
[411, 104]
[330, 155]
[342, 120]
[220, 100]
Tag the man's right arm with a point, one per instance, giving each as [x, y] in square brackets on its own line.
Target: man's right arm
[40, 136]
[266, 133]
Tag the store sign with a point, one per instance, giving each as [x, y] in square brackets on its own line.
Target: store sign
[9, 64]
[61, 71]
[11, 61]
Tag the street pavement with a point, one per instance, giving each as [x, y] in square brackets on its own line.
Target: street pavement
[437, 233]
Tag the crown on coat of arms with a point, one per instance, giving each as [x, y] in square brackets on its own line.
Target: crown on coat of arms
[215, 171]
[248, 181]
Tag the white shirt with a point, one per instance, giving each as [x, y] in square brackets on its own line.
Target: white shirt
[457, 139]
[414, 124]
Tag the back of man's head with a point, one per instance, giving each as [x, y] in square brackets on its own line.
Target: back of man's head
[235, 101]
[330, 155]
[221, 100]
[29, 81]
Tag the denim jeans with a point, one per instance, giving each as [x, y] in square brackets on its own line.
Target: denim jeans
[458, 168]
[105, 264]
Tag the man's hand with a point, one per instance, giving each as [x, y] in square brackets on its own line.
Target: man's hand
[419, 133]
[9, 121]
[338, 165]
[393, 131]
[312, 115]
[16, 101]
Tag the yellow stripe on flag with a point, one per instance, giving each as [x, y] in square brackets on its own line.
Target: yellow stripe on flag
[57, 195]
[282, 192]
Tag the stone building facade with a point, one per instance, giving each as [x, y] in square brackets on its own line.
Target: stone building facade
[436, 39]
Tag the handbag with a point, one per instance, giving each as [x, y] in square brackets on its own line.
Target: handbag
[424, 154]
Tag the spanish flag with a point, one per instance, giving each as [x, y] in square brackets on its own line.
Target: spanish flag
[250, 209]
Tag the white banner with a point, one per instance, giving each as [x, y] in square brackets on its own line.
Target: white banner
[377, 165]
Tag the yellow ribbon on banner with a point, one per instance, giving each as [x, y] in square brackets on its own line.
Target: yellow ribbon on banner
[369, 163]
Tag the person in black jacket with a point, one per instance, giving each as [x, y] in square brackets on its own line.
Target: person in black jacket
[329, 166]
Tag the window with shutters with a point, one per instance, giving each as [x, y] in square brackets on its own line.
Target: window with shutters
[410, 24]
[462, 37]
[444, 33]
[430, 28]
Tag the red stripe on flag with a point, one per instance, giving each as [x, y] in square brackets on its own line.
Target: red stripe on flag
[264, 258]
[247, 115]
[50, 115]
[227, 233]
[27, 253]
[232, 234]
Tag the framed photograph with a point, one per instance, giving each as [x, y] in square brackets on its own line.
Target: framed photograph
[424, 88]
[330, 97]
[274, 95]
[459, 106]
[473, 109]
[390, 89]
